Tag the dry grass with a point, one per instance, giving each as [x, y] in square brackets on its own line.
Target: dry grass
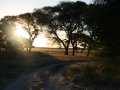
[12, 65]
[59, 54]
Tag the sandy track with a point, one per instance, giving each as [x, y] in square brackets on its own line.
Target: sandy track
[51, 75]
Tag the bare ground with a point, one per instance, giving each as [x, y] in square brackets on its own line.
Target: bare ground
[46, 78]
[49, 77]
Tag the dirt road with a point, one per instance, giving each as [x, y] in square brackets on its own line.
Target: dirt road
[46, 78]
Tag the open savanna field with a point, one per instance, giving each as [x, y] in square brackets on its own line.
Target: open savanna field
[59, 53]
[90, 71]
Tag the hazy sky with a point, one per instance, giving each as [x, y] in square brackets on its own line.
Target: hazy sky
[15, 7]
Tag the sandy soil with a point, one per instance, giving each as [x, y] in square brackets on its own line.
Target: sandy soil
[48, 77]
[51, 77]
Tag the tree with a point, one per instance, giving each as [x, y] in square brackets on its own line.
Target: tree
[100, 2]
[7, 30]
[105, 23]
[2, 41]
[65, 17]
[29, 23]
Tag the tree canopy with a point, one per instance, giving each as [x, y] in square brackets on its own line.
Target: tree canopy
[100, 19]
[66, 17]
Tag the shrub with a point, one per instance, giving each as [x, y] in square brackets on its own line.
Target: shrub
[93, 74]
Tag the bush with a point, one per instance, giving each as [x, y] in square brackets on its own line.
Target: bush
[93, 74]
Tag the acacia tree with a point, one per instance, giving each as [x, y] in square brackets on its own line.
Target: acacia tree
[100, 2]
[29, 24]
[64, 17]
[104, 20]
[8, 25]
[7, 30]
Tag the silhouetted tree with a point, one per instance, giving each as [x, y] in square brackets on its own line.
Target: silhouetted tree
[74, 42]
[100, 2]
[2, 40]
[104, 19]
[29, 23]
[65, 17]
[7, 29]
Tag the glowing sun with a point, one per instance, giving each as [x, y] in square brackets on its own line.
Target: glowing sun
[21, 32]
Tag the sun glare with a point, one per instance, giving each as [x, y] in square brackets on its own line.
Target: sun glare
[41, 41]
[21, 32]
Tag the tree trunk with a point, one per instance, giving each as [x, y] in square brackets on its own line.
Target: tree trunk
[83, 48]
[76, 47]
[73, 52]
[89, 49]
[66, 50]
[30, 47]
[90, 46]
[73, 48]
[29, 50]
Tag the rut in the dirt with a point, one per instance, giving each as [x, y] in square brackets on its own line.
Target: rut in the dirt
[46, 78]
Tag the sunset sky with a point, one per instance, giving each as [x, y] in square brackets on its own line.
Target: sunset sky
[15, 7]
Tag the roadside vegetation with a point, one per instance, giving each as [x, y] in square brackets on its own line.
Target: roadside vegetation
[14, 65]
[95, 75]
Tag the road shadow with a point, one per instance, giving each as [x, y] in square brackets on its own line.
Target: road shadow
[14, 64]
